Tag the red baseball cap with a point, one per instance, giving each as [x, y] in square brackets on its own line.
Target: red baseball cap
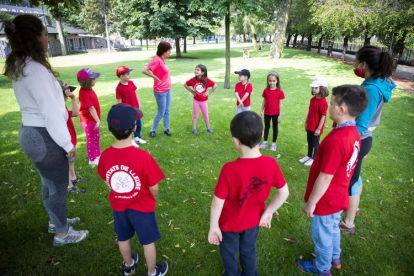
[122, 70]
[87, 73]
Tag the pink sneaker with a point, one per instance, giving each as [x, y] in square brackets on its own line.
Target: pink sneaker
[263, 145]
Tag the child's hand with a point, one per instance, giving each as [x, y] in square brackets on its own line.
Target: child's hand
[98, 124]
[261, 113]
[317, 132]
[206, 94]
[215, 236]
[156, 78]
[241, 104]
[69, 94]
[71, 153]
[279, 119]
[309, 209]
[266, 220]
[305, 126]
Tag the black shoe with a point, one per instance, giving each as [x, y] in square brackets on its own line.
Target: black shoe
[76, 190]
[152, 134]
[131, 269]
[161, 268]
[167, 132]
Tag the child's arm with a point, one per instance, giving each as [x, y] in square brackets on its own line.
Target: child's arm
[321, 185]
[279, 119]
[239, 100]
[75, 106]
[244, 97]
[321, 122]
[214, 234]
[306, 120]
[154, 190]
[119, 100]
[262, 109]
[277, 201]
[211, 90]
[190, 89]
[92, 110]
[139, 103]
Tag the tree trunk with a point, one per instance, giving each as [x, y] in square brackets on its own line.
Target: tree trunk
[60, 34]
[345, 47]
[301, 40]
[244, 37]
[295, 39]
[193, 39]
[254, 34]
[107, 34]
[282, 19]
[397, 51]
[320, 44]
[309, 46]
[367, 40]
[330, 46]
[185, 45]
[227, 27]
[288, 40]
[177, 47]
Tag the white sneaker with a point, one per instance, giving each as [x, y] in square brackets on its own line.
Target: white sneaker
[94, 162]
[304, 159]
[134, 144]
[309, 162]
[140, 140]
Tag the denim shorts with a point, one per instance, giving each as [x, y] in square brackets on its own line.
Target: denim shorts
[144, 224]
[354, 189]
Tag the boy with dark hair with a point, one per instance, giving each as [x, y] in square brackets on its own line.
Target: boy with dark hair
[243, 90]
[126, 93]
[132, 175]
[239, 202]
[327, 190]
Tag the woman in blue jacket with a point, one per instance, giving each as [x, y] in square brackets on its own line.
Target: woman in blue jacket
[376, 68]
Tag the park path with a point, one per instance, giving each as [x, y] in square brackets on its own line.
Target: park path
[403, 77]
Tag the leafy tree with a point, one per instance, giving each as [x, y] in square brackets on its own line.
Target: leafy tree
[4, 16]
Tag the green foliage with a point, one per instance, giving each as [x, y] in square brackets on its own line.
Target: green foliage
[4, 16]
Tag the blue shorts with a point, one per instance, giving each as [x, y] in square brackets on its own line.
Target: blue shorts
[144, 224]
[354, 188]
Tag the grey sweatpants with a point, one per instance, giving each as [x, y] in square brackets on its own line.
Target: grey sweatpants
[52, 164]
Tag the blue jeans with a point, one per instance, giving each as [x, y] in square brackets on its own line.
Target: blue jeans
[327, 239]
[137, 132]
[163, 103]
[245, 242]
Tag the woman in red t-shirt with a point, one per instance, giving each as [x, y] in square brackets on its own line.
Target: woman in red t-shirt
[199, 85]
[90, 113]
[315, 120]
[272, 106]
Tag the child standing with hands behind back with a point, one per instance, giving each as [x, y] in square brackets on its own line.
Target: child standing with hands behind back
[272, 106]
[315, 120]
[90, 113]
[200, 83]
[243, 90]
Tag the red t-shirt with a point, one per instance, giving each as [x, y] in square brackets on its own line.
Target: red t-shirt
[273, 98]
[317, 109]
[245, 185]
[129, 172]
[337, 155]
[71, 127]
[161, 71]
[127, 94]
[199, 88]
[88, 98]
[243, 89]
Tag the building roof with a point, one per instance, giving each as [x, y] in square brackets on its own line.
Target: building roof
[22, 10]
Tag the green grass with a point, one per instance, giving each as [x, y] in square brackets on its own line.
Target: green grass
[383, 244]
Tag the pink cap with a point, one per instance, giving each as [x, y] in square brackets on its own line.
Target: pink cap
[87, 73]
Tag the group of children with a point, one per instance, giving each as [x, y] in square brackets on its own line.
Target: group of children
[238, 208]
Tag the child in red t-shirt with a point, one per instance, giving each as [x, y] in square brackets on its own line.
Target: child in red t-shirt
[316, 117]
[198, 87]
[90, 113]
[243, 90]
[132, 175]
[126, 93]
[272, 108]
[73, 179]
[327, 190]
[239, 203]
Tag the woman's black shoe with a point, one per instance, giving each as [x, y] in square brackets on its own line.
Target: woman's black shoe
[167, 132]
[152, 134]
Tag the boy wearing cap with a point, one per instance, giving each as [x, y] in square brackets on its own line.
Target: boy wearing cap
[132, 175]
[67, 93]
[243, 90]
[126, 93]
[326, 193]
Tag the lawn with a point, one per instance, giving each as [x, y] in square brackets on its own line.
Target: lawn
[384, 241]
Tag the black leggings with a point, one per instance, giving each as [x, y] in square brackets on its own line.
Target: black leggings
[267, 126]
[366, 145]
[313, 143]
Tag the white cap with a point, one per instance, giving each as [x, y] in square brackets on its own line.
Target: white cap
[319, 82]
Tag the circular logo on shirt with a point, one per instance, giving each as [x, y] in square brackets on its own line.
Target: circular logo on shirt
[122, 182]
[199, 88]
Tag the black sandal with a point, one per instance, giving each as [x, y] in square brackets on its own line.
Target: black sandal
[79, 179]
[76, 190]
